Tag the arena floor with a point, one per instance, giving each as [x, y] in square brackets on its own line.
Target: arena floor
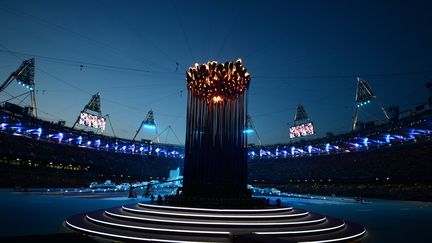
[24, 214]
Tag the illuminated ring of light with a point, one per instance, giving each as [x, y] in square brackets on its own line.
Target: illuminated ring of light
[215, 232]
[217, 223]
[217, 210]
[158, 229]
[337, 239]
[217, 216]
[300, 231]
[129, 237]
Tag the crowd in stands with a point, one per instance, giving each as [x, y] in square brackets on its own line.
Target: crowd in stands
[25, 162]
[396, 166]
[403, 163]
[56, 132]
[411, 129]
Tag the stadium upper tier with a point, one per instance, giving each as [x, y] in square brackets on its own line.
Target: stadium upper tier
[40, 130]
[414, 128]
[417, 126]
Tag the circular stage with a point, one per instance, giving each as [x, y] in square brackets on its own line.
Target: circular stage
[158, 223]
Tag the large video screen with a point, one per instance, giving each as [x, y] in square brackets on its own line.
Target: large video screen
[93, 121]
[302, 130]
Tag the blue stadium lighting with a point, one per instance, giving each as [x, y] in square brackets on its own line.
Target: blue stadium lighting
[365, 142]
[157, 150]
[292, 150]
[248, 130]
[25, 85]
[60, 136]
[310, 149]
[149, 126]
[132, 148]
[39, 132]
[97, 142]
[363, 103]
[387, 138]
[69, 140]
[3, 126]
[79, 140]
[253, 153]
[141, 149]
[327, 147]
[356, 145]
[106, 146]
[123, 148]
[88, 143]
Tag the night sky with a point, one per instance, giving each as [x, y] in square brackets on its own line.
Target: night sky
[298, 52]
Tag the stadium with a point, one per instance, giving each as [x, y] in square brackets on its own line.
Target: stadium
[51, 154]
[70, 175]
[42, 154]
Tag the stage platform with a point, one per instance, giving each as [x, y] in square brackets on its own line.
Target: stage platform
[159, 223]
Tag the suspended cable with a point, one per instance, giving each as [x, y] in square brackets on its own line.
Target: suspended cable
[64, 29]
[83, 64]
[183, 31]
[134, 30]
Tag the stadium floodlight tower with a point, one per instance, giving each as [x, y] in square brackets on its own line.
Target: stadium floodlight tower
[301, 115]
[302, 124]
[215, 163]
[250, 128]
[148, 123]
[24, 75]
[364, 95]
[91, 115]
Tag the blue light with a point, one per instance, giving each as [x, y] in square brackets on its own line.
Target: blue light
[327, 146]
[248, 130]
[88, 143]
[292, 150]
[365, 142]
[157, 150]
[387, 138]
[39, 132]
[60, 137]
[107, 146]
[148, 126]
[141, 149]
[97, 143]
[79, 140]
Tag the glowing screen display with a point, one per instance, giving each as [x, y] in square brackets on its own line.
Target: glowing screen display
[93, 121]
[302, 130]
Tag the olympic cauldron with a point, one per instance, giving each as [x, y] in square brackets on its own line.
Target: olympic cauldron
[215, 163]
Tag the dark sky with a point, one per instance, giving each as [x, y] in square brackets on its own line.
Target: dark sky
[307, 52]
